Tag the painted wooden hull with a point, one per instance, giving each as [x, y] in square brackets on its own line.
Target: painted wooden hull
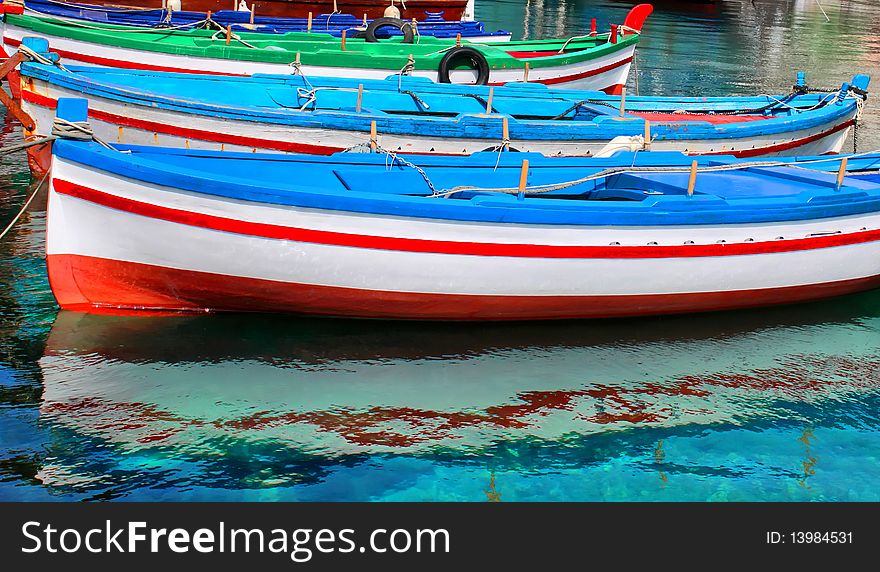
[418, 9]
[595, 63]
[607, 73]
[120, 115]
[333, 24]
[116, 243]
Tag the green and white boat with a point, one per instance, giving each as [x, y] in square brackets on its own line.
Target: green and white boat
[594, 61]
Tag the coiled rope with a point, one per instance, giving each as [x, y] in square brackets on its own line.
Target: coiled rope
[40, 58]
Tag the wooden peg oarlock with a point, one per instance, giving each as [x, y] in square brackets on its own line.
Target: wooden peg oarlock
[228, 34]
[841, 173]
[489, 101]
[523, 178]
[692, 180]
[360, 97]
[343, 40]
[309, 23]
[526, 72]
[374, 137]
[647, 135]
[505, 134]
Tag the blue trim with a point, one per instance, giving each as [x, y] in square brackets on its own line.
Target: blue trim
[332, 24]
[734, 197]
[273, 99]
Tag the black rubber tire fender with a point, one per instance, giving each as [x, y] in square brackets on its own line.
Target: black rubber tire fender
[404, 27]
[474, 56]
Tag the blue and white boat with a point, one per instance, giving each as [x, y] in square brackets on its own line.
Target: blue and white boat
[319, 115]
[514, 236]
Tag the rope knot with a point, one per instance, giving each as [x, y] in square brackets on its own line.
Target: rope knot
[79, 130]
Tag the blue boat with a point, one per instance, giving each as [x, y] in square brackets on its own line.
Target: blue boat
[242, 21]
[513, 236]
[320, 115]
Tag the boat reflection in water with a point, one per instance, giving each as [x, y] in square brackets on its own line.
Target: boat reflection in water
[236, 402]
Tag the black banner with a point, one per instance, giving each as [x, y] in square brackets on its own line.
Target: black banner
[321, 536]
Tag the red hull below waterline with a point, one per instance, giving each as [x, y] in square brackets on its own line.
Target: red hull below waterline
[452, 9]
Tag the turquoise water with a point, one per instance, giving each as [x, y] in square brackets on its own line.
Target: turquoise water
[778, 404]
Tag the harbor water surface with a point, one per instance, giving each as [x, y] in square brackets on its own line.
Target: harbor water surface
[778, 404]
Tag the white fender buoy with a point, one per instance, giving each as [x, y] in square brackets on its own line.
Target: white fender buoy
[392, 11]
[622, 143]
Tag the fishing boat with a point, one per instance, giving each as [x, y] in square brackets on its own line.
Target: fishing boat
[243, 20]
[304, 114]
[594, 61]
[418, 9]
[492, 236]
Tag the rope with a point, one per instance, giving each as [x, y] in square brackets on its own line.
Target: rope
[38, 140]
[311, 94]
[407, 69]
[235, 37]
[571, 39]
[40, 58]
[25, 207]
[297, 70]
[80, 131]
[394, 158]
[539, 189]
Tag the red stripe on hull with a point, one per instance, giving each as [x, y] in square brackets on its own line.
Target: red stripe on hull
[788, 145]
[82, 283]
[97, 60]
[294, 147]
[189, 133]
[278, 232]
[581, 75]
[124, 64]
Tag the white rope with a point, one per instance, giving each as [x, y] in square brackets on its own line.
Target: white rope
[25, 207]
[827, 19]
[311, 94]
[78, 130]
[40, 58]
[538, 189]
[235, 37]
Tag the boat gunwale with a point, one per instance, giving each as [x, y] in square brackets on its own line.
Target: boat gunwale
[855, 198]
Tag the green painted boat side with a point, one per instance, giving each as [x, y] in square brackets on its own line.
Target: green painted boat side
[321, 49]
